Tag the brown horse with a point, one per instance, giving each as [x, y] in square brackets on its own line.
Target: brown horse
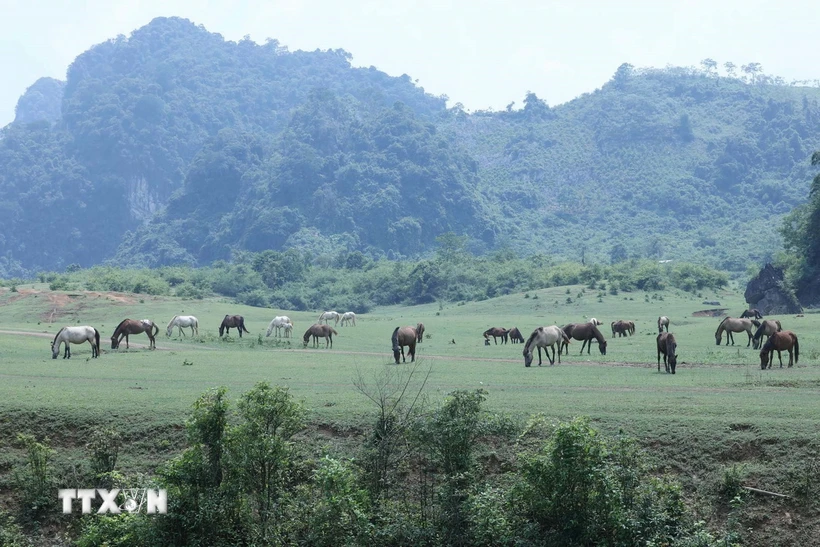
[496, 332]
[779, 341]
[765, 328]
[233, 321]
[420, 333]
[668, 346]
[733, 324]
[622, 328]
[751, 314]
[515, 335]
[133, 326]
[585, 332]
[319, 331]
[404, 336]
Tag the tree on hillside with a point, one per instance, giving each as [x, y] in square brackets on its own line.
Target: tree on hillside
[730, 68]
[709, 66]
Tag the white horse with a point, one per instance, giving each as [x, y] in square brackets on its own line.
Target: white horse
[347, 317]
[594, 322]
[75, 335]
[280, 322]
[328, 315]
[545, 337]
[180, 321]
[663, 321]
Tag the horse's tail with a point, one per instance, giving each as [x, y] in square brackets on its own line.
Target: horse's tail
[154, 326]
[242, 326]
[796, 348]
[779, 326]
[395, 339]
[97, 341]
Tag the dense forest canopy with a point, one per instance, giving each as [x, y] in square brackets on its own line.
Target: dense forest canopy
[174, 146]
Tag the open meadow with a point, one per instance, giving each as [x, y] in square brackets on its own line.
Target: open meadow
[719, 409]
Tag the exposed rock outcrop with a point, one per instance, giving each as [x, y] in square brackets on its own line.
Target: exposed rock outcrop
[767, 293]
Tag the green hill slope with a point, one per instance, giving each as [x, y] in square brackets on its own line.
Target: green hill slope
[175, 146]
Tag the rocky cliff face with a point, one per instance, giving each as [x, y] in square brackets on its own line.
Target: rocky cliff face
[767, 293]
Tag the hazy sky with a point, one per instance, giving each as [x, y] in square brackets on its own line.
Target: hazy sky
[482, 53]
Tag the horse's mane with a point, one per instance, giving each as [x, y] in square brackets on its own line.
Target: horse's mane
[528, 343]
[171, 322]
[597, 334]
[395, 339]
[56, 335]
[120, 326]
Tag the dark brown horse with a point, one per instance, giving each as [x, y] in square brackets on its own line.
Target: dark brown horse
[765, 328]
[496, 333]
[585, 332]
[779, 341]
[668, 346]
[319, 331]
[404, 336]
[233, 321]
[515, 335]
[622, 328]
[133, 326]
[752, 314]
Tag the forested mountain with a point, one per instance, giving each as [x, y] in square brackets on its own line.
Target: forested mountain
[176, 146]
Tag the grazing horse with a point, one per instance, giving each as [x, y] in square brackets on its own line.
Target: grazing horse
[752, 314]
[663, 321]
[585, 332]
[233, 321]
[668, 346]
[733, 324]
[132, 326]
[622, 328]
[328, 315]
[545, 337]
[404, 336]
[779, 341]
[280, 322]
[180, 321]
[319, 331]
[515, 335]
[595, 322]
[348, 317]
[420, 333]
[765, 328]
[75, 335]
[496, 333]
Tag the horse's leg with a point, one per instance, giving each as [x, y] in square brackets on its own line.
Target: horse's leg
[67, 354]
[780, 358]
[126, 341]
[93, 349]
[559, 352]
[547, 351]
[748, 332]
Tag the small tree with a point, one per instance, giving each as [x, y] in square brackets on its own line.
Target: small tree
[261, 452]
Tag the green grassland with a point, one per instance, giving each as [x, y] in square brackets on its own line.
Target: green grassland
[620, 388]
[719, 408]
